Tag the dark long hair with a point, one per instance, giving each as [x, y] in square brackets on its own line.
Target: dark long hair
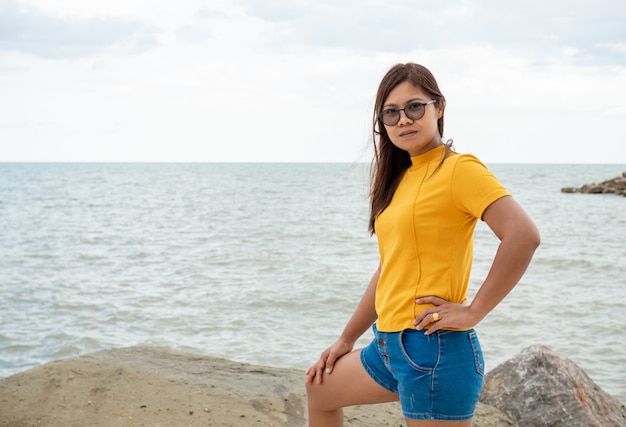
[390, 162]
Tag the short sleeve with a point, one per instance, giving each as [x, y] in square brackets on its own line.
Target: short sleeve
[474, 187]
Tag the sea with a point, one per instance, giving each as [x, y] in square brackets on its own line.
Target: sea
[264, 263]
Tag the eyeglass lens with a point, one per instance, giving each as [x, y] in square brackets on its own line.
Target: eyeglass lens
[414, 111]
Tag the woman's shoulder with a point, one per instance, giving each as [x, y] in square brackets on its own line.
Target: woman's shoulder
[465, 160]
[467, 169]
[468, 157]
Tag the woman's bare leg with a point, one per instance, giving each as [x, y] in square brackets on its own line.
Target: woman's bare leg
[349, 384]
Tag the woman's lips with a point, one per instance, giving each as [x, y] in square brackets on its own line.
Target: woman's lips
[407, 133]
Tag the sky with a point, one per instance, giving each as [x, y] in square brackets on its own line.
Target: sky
[295, 80]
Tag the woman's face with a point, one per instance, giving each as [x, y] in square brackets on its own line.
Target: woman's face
[413, 136]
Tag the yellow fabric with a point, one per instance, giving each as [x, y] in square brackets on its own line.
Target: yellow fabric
[425, 235]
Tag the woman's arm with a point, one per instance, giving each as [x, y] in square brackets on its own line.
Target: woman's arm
[361, 320]
[519, 238]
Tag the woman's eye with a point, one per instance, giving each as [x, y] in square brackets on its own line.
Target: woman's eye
[414, 106]
[390, 111]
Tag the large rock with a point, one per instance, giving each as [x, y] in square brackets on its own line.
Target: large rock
[615, 185]
[147, 386]
[539, 388]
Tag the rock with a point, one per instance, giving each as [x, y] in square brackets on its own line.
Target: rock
[539, 388]
[488, 416]
[153, 386]
[615, 185]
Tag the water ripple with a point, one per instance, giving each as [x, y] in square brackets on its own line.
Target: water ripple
[265, 263]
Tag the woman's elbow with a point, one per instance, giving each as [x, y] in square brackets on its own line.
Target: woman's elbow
[532, 238]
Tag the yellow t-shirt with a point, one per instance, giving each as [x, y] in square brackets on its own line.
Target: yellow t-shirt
[425, 235]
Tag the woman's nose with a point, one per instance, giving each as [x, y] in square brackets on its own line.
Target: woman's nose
[403, 117]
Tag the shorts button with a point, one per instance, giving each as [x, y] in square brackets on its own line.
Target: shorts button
[381, 341]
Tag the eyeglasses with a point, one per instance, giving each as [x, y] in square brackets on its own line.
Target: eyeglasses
[413, 111]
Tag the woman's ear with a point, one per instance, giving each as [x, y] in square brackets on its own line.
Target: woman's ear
[441, 105]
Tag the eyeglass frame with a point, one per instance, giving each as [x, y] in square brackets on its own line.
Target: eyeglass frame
[381, 115]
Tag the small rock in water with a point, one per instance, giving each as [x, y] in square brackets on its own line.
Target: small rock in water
[615, 185]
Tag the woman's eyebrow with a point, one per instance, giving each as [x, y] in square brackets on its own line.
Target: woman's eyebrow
[419, 99]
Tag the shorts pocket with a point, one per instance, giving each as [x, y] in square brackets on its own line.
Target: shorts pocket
[420, 351]
[479, 361]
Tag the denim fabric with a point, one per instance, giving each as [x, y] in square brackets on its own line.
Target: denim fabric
[437, 377]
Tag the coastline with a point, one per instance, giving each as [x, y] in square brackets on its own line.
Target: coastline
[154, 386]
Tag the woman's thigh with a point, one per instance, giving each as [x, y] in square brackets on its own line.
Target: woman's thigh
[439, 376]
[348, 384]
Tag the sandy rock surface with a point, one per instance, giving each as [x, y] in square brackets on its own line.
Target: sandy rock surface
[147, 386]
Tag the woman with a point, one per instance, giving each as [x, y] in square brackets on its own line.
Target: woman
[425, 202]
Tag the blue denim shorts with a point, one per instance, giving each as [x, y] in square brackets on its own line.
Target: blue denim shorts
[437, 376]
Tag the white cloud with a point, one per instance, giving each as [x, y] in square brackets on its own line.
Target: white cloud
[25, 29]
[295, 81]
